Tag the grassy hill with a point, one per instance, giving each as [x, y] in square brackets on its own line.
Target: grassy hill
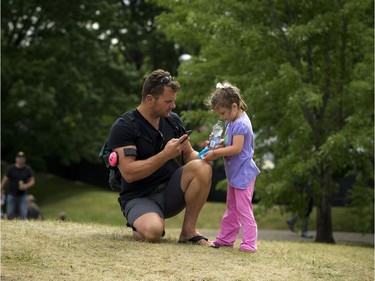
[91, 204]
[53, 250]
[94, 245]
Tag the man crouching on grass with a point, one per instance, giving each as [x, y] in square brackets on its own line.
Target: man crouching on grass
[161, 173]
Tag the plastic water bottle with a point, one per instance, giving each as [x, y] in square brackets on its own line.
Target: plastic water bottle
[217, 131]
[215, 138]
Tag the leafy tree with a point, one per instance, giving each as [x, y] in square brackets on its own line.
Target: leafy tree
[306, 70]
[69, 68]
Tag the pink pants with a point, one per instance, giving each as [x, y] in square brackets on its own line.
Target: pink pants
[239, 213]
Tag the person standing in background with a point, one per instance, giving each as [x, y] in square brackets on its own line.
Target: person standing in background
[306, 191]
[20, 178]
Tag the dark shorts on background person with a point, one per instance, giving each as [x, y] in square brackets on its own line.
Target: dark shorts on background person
[167, 201]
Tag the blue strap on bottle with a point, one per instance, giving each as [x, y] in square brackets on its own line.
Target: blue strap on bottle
[203, 152]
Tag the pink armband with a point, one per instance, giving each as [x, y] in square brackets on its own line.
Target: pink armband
[113, 159]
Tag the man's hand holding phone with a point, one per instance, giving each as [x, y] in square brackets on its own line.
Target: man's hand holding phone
[183, 138]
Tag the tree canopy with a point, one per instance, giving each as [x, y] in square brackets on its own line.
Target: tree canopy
[305, 69]
[69, 68]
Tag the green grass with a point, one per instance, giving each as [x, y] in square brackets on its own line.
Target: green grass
[94, 245]
[91, 204]
[52, 250]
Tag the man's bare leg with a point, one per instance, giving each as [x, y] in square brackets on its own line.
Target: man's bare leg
[149, 227]
[196, 183]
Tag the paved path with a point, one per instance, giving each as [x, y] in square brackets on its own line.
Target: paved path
[285, 235]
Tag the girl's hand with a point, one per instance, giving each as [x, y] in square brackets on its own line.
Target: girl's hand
[221, 144]
[210, 156]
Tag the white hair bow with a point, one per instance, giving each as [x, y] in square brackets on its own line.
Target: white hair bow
[222, 86]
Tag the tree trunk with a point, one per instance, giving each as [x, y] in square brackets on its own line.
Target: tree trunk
[324, 222]
[324, 232]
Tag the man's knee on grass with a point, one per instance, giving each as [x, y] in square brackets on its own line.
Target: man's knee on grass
[149, 227]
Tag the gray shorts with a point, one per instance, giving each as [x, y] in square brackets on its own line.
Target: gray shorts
[167, 201]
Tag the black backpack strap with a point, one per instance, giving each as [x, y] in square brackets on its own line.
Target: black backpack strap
[128, 115]
[179, 130]
[174, 121]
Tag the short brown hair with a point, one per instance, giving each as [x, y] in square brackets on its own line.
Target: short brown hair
[155, 82]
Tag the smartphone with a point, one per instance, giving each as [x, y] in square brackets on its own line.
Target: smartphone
[188, 133]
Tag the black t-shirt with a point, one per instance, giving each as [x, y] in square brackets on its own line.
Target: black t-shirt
[132, 129]
[15, 175]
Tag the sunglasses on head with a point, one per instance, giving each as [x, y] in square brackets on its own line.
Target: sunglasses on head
[165, 80]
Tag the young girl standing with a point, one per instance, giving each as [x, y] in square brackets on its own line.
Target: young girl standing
[240, 168]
